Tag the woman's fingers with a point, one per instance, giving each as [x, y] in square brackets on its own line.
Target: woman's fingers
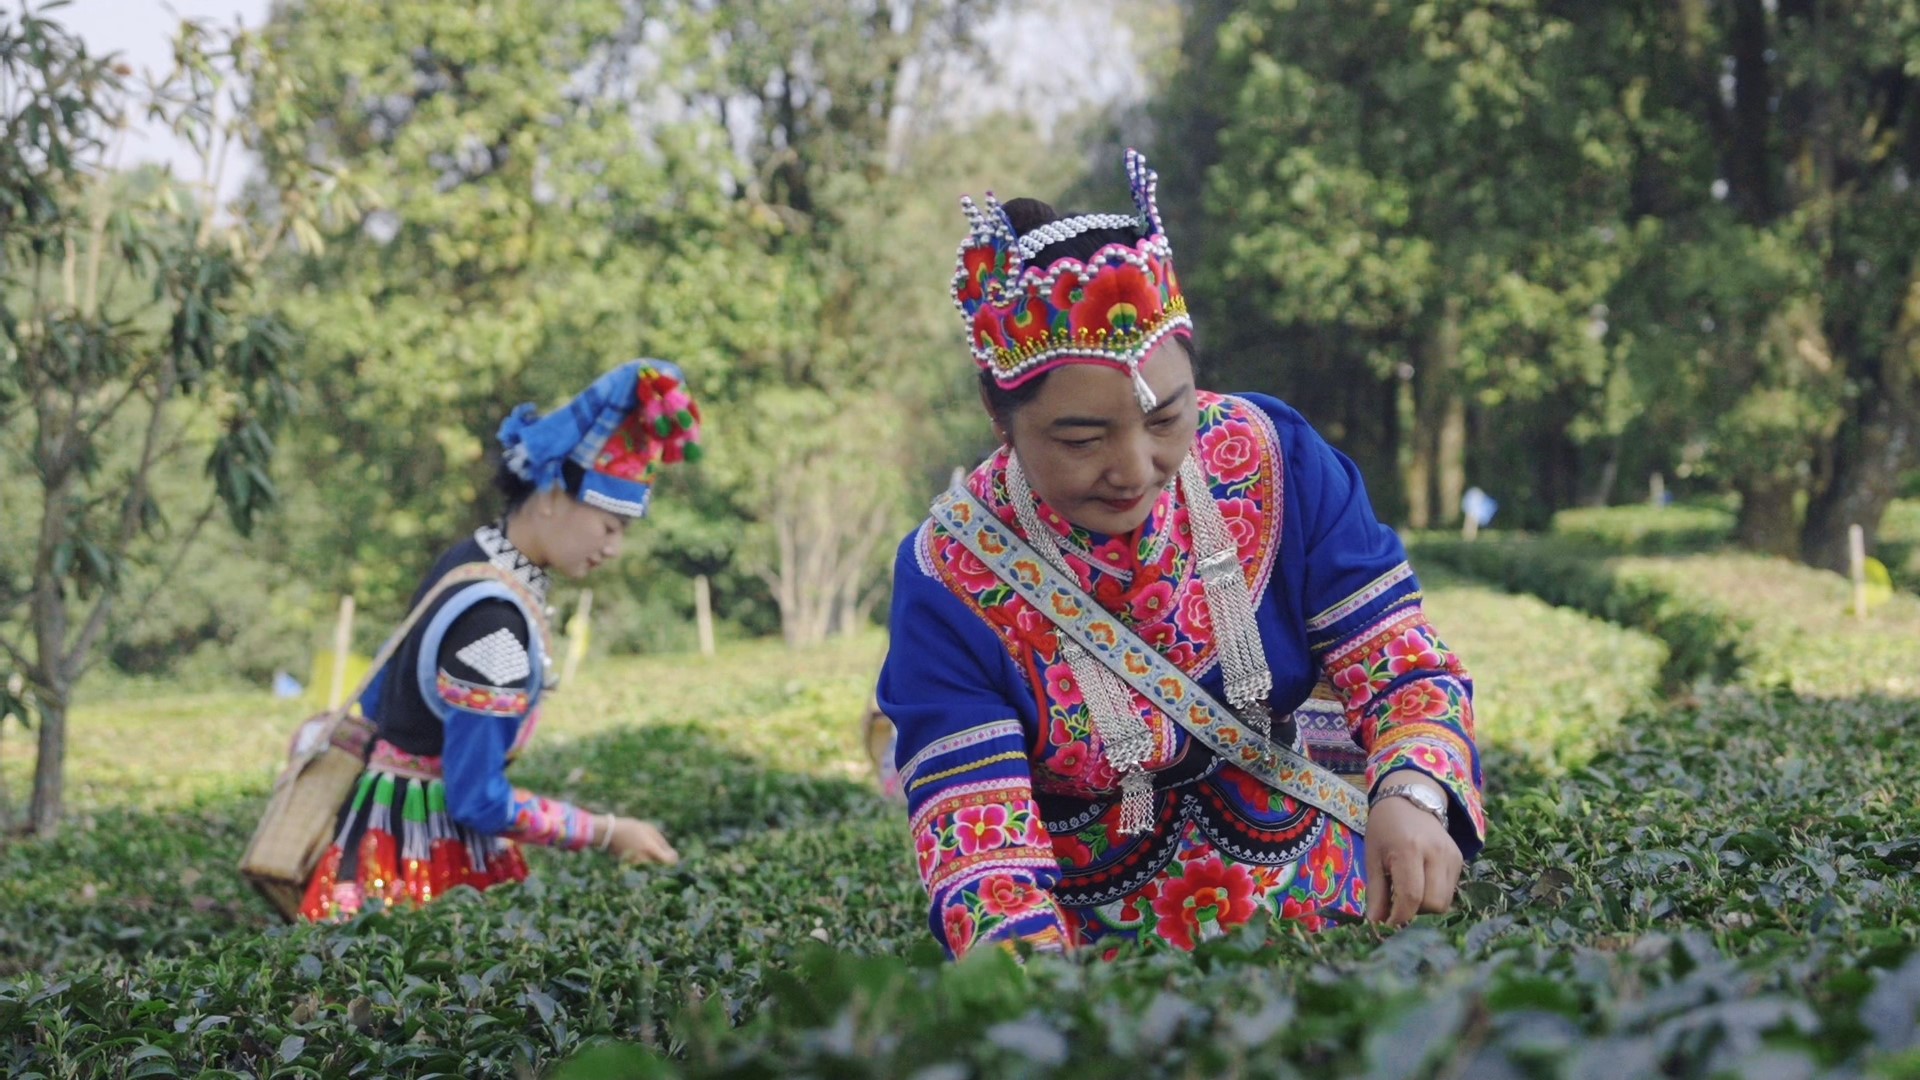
[651, 846]
[1407, 870]
[1443, 876]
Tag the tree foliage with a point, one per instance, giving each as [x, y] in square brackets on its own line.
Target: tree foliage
[131, 335]
[1592, 242]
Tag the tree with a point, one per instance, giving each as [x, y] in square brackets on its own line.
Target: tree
[1415, 216]
[131, 336]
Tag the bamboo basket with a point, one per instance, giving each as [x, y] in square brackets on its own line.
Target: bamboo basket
[329, 751]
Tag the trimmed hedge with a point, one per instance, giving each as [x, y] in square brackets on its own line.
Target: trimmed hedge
[1729, 617]
[1646, 530]
[1703, 639]
[1553, 685]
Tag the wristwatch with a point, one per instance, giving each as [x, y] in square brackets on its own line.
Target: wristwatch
[1423, 797]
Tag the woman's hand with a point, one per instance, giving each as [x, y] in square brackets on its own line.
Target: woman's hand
[1412, 864]
[636, 841]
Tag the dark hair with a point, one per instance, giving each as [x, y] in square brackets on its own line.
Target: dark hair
[515, 491]
[1027, 215]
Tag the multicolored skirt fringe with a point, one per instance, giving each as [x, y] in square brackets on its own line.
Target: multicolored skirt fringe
[397, 844]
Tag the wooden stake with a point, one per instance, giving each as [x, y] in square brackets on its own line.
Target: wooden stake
[703, 613]
[577, 636]
[342, 649]
[1857, 563]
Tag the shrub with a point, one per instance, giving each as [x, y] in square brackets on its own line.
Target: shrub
[1646, 530]
[1552, 685]
[1703, 639]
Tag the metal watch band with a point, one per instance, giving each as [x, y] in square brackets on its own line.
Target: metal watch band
[1418, 796]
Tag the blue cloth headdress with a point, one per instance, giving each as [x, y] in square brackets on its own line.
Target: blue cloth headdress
[631, 420]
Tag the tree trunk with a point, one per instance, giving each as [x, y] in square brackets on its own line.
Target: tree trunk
[49, 771]
[1437, 476]
[1880, 441]
[1451, 481]
[6, 797]
[1766, 520]
[1602, 492]
[1420, 468]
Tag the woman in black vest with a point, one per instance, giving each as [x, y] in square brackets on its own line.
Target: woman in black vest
[460, 697]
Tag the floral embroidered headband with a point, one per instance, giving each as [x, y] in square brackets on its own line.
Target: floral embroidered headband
[1023, 320]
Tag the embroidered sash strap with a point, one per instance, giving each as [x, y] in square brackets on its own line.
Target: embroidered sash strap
[1142, 667]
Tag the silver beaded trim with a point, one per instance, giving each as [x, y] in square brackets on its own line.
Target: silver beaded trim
[1055, 232]
[1243, 661]
[501, 553]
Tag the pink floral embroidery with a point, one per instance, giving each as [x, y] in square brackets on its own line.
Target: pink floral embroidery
[928, 849]
[1243, 520]
[959, 927]
[1004, 895]
[1416, 702]
[1152, 603]
[1354, 682]
[1161, 636]
[1230, 451]
[1195, 618]
[1061, 688]
[980, 828]
[1070, 760]
[1183, 655]
[1414, 651]
[1037, 832]
[1116, 552]
[967, 568]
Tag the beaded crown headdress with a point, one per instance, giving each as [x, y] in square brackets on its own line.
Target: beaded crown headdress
[1024, 319]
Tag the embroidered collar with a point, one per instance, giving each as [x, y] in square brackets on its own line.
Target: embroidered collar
[501, 553]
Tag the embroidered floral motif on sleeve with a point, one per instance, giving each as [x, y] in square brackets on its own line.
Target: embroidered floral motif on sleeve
[988, 863]
[1408, 699]
[473, 697]
[548, 822]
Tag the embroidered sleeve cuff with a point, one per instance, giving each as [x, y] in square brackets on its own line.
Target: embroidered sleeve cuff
[548, 822]
[1000, 908]
[1437, 754]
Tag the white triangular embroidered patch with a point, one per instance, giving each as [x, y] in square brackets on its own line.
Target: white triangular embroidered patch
[499, 658]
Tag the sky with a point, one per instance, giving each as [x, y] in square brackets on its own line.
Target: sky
[1080, 56]
[142, 32]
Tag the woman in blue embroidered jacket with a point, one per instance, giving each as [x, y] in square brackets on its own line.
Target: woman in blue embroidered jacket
[1051, 801]
[461, 695]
